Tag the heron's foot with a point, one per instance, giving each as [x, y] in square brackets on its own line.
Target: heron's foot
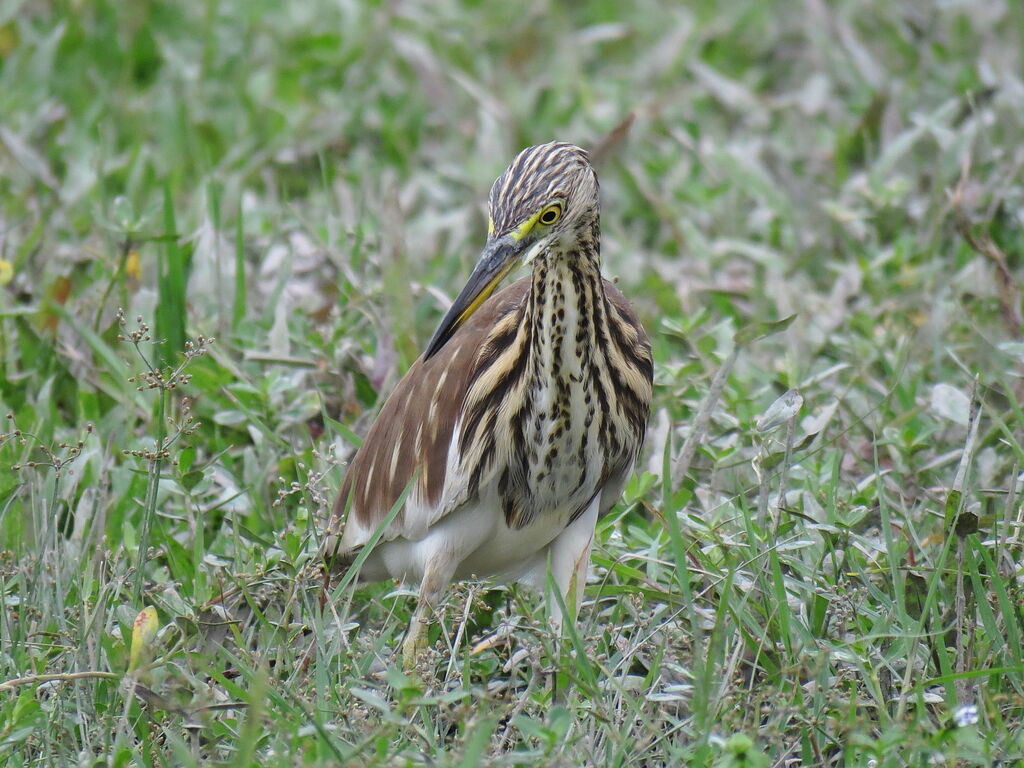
[415, 642]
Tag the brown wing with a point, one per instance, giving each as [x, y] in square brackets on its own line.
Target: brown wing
[412, 434]
[637, 334]
[637, 380]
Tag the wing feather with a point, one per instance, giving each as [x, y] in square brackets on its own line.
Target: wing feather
[635, 348]
[410, 439]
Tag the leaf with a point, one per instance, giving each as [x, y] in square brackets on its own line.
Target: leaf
[371, 698]
[966, 524]
[951, 403]
[171, 282]
[952, 508]
[758, 331]
[27, 157]
[741, 752]
[133, 266]
[239, 304]
[144, 630]
[477, 740]
[191, 479]
[785, 408]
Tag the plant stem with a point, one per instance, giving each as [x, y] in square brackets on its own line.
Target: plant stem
[152, 491]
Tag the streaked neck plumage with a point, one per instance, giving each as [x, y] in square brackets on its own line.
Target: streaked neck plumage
[553, 467]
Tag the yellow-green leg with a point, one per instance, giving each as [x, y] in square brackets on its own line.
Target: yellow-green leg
[416, 637]
[434, 583]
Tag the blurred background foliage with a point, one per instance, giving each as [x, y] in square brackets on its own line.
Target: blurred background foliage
[305, 181]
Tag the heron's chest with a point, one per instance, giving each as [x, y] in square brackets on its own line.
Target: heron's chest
[561, 460]
[541, 431]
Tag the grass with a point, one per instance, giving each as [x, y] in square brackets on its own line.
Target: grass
[834, 579]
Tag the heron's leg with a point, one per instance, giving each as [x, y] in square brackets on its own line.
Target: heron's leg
[432, 587]
[563, 565]
[416, 637]
[570, 560]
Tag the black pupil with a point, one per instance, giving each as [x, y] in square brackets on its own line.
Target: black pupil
[549, 217]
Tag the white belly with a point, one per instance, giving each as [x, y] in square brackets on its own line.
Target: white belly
[476, 539]
[504, 551]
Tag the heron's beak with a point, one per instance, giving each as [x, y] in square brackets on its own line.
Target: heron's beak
[501, 255]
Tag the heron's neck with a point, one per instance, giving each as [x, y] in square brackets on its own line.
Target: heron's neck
[565, 315]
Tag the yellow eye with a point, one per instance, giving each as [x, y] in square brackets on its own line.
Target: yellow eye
[550, 216]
